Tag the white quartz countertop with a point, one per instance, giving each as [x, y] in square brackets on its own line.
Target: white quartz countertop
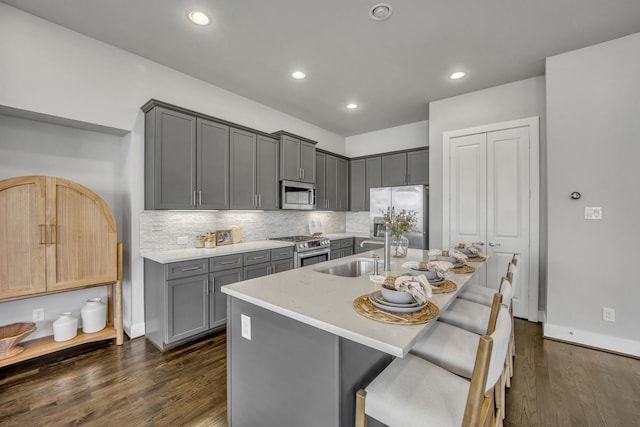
[166, 257]
[325, 301]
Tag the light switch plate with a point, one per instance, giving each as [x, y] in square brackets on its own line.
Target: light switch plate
[245, 321]
[608, 314]
[593, 212]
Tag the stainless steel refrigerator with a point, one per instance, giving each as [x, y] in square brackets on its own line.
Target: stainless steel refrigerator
[409, 197]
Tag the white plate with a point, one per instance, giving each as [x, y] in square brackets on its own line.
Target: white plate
[436, 283]
[379, 298]
[393, 308]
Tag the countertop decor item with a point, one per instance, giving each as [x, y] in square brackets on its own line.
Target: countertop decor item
[94, 315]
[399, 223]
[223, 237]
[12, 334]
[65, 327]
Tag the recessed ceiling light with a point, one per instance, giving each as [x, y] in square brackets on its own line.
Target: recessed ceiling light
[457, 75]
[298, 75]
[380, 12]
[352, 106]
[198, 18]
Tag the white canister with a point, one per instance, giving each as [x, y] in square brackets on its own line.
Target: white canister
[65, 327]
[94, 315]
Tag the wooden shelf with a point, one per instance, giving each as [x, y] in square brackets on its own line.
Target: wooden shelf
[46, 345]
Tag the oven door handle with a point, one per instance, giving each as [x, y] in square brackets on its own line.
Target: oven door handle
[308, 254]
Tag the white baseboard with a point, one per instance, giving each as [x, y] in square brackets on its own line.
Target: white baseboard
[542, 316]
[134, 331]
[591, 339]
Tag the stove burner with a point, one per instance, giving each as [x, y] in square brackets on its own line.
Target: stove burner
[295, 238]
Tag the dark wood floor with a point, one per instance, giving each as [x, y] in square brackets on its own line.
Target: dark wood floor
[555, 384]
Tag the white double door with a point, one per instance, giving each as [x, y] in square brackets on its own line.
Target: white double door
[489, 202]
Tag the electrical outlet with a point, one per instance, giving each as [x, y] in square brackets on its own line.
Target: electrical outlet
[183, 240]
[608, 314]
[246, 326]
[593, 212]
[38, 315]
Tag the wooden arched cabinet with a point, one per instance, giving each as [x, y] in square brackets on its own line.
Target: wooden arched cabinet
[57, 235]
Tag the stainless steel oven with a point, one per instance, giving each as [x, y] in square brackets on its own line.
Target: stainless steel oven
[309, 250]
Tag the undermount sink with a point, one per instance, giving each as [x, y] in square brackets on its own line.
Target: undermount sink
[353, 268]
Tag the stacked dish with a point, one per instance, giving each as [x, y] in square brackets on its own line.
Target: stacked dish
[380, 302]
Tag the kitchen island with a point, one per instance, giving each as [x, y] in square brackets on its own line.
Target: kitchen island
[298, 351]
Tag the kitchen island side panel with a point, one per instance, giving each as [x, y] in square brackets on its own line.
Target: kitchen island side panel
[286, 375]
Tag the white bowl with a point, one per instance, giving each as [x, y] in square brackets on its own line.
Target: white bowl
[399, 297]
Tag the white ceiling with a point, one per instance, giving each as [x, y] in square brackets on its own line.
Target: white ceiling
[391, 69]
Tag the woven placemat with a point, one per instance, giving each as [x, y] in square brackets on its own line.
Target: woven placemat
[363, 306]
[479, 258]
[463, 270]
[445, 288]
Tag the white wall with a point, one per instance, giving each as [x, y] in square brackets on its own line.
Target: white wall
[92, 158]
[412, 135]
[53, 71]
[593, 147]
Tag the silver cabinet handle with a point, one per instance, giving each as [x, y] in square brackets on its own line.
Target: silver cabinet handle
[199, 197]
[258, 257]
[302, 173]
[190, 268]
[259, 200]
[255, 200]
[494, 244]
[194, 198]
[228, 262]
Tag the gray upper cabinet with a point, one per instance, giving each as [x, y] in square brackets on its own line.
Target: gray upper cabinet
[170, 158]
[332, 180]
[373, 176]
[297, 159]
[254, 171]
[187, 161]
[267, 184]
[212, 165]
[357, 185]
[394, 169]
[418, 167]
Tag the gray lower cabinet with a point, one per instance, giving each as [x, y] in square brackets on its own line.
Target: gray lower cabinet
[187, 307]
[341, 248]
[265, 262]
[218, 300]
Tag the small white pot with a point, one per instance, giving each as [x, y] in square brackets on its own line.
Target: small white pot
[65, 327]
[94, 315]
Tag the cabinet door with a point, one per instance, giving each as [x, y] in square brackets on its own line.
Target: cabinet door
[331, 182]
[212, 171]
[187, 311]
[170, 144]
[257, 270]
[347, 251]
[373, 177]
[418, 167]
[308, 161]
[321, 189]
[283, 265]
[290, 158]
[342, 184]
[218, 300]
[357, 186]
[268, 183]
[394, 169]
[23, 231]
[243, 170]
[82, 247]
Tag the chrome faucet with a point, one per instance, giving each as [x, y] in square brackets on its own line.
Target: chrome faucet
[387, 250]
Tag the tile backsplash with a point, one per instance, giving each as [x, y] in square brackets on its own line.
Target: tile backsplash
[159, 230]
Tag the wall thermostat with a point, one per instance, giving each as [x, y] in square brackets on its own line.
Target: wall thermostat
[575, 195]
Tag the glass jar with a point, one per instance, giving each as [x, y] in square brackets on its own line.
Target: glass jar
[399, 246]
[94, 315]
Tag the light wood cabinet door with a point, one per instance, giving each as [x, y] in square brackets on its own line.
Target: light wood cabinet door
[22, 236]
[82, 241]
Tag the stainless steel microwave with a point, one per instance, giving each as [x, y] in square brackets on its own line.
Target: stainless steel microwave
[297, 195]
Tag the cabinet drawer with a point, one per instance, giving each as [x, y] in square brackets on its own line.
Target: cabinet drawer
[225, 262]
[346, 243]
[281, 253]
[257, 257]
[334, 244]
[176, 270]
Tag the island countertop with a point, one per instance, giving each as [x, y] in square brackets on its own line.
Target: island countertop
[325, 301]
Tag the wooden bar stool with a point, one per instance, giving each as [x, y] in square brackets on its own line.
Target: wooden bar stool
[413, 392]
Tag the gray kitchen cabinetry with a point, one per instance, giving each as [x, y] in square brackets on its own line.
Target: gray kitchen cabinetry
[373, 177]
[357, 185]
[341, 248]
[297, 158]
[360, 247]
[332, 181]
[254, 171]
[224, 270]
[187, 161]
[268, 261]
[406, 168]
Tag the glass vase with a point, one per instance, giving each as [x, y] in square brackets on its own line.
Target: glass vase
[399, 246]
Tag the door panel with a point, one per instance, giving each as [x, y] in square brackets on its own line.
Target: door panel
[212, 165]
[243, 170]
